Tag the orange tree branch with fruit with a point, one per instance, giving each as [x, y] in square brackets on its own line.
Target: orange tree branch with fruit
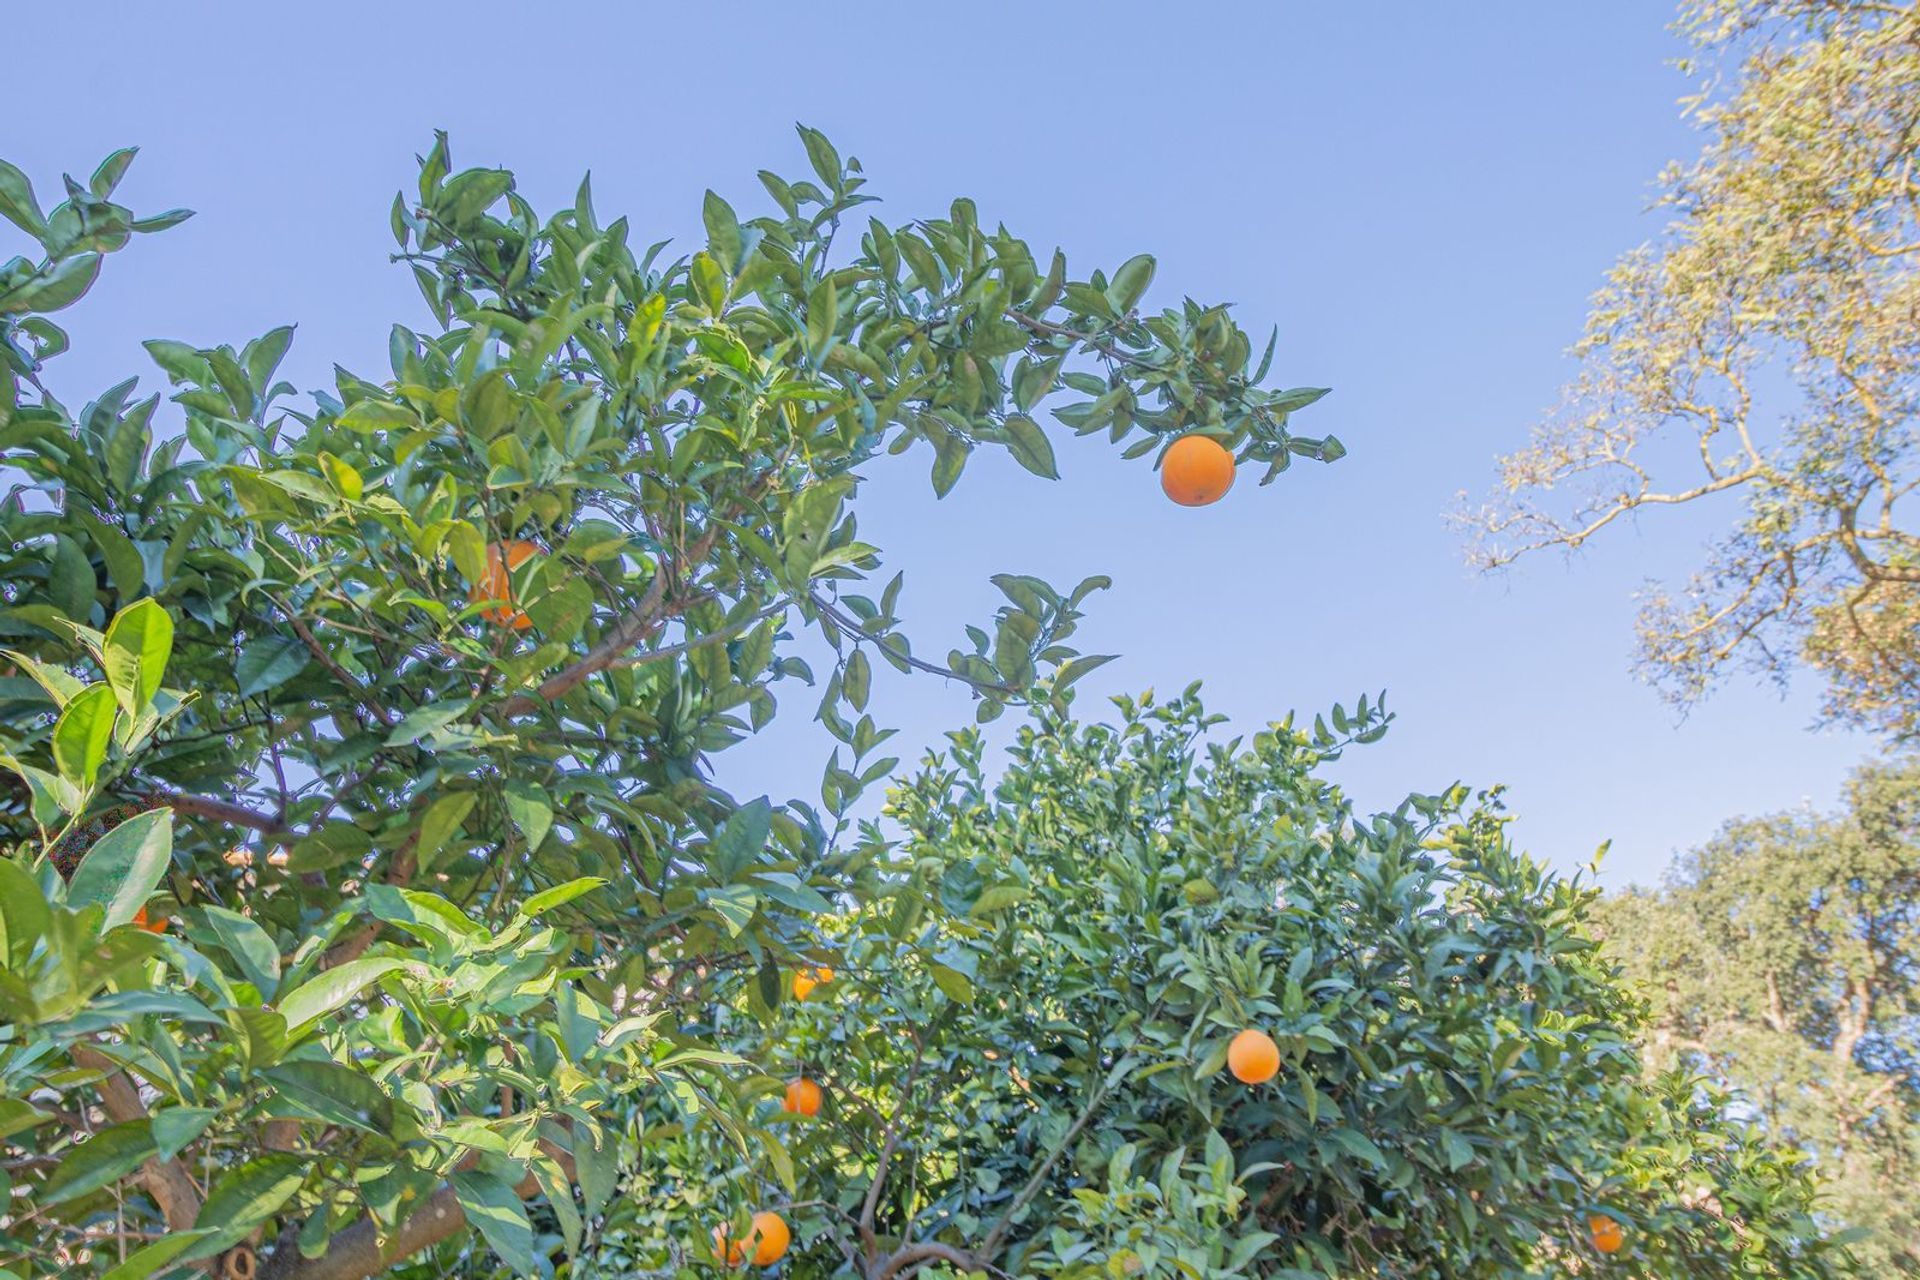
[364, 737]
[369, 909]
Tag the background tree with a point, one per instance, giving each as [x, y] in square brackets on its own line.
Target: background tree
[393, 709]
[1022, 1054]
[1783, 959]
[1764, 350]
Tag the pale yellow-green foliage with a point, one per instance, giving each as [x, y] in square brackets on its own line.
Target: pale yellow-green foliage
[1763, 356]
[1783, 959]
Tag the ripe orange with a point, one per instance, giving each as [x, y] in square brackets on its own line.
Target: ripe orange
[766, 1241]
[1607, 1235]
[770, 1238]
[497, 583]
[153, 924]
[730, 1251]
[807, 979]
[1196, 470]
[1253, 1057]
[803, 1098]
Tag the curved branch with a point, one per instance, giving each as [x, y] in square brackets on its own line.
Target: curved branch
[909, 1257]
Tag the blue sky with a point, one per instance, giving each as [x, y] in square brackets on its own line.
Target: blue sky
[1420, 196]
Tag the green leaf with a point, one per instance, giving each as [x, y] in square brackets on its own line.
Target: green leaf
[148, 1261]
[723, 231]
[138, 646]
[439, 824]
[560, 894]
[957, 986]
[17, 204]
[494, 1208]
[111, 170]
[821, 153]
[425, 915]
[70, 579]
[421, 721]
[998, 898]
[250, 947]
[1359, 1144]
[24, 916]
[530, 809]
[101, 1160]
[269, 662]
[1130, 282]
[248, 1195]
[1297, 398]
[17, 1116]
[329, 990]
[596, 1159]
[124, 866]
[734, 904]
[382, 415]
[857, 679]
[83, 733]
[1030, 446]
[174, 1128]
[60, 285]
[823, 317]
[787, 888]
[709, 282]
[60, 686]
[335, 1093]
[161, 221]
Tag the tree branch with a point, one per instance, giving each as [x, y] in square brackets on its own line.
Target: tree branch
[853, 627]
[338, 672]
[165, 1180]
[233, 815]
[908, 1257]
[992, 1243]
[355, 1253]
[889, 1144]
[629, 631]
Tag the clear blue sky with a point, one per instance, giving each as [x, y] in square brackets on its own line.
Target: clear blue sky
[1421, 196]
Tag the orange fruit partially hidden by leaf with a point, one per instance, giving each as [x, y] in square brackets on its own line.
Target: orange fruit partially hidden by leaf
[1253, 1057]
[770, 1238]
[1607, 1234]
[497, 583]
[807, 979]
[766, 1242]
[728, 1250]
[1196, 470]
[803, 1098]
[153, 924]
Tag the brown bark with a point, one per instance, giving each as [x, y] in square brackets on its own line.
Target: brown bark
[165, 1180]
[356, 1254]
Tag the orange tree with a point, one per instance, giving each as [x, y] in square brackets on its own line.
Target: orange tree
[364, 875]
[1021, 1057]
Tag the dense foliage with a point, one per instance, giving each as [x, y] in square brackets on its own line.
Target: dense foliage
[1762, 356]
[1783, 958]
[367, 907]
[1022, 1051]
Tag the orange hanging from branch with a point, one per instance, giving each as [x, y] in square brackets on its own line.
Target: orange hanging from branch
[1253, 1057]
[1196, 470]
[1608, 1236]
[497, 583]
